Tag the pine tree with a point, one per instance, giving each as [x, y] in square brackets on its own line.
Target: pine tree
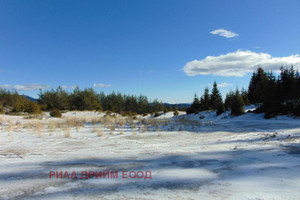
[206, 99]
[244, 94]
[103, 102]
[143, 104]
[256, 89]
[229, 100]
[55, 99]
[216, 101]
[195, 107]
[271, 103]
[237, 106]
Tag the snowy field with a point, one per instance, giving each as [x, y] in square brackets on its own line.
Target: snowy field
[217, 157]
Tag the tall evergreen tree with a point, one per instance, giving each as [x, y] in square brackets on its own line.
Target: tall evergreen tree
[257, 85]
[196, 104]
[271, 102]
[244, 94]
[215, 97]
[206, 99]
[229, 100]
[237, 106]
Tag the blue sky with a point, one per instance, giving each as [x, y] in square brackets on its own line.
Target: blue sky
[165, 49]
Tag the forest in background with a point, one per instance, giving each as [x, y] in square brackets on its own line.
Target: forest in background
[87, 99]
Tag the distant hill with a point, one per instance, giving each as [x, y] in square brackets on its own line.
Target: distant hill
[30, 98]
[179, 105]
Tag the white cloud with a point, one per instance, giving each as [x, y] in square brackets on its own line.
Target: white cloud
[238, 63]
[101, 85]
[72, 87]
[218, 84]
[5, 86]
[224, 33]
[66, 87]
[28, 87]
[224, 84]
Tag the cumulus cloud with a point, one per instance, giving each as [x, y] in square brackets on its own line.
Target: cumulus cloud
[28, 87]
[101, 85]
[224, 33]
[238, 63]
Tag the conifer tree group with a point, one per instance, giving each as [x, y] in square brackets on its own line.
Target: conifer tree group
[208, 101]
[88, 99]
[276, 95]
[273, 95]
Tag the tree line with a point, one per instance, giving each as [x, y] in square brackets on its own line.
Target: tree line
[86, 99]
[273, 95]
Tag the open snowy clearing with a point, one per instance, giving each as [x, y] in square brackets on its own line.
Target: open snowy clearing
[245, 157]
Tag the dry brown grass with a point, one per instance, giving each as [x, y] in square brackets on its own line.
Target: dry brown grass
[67, 133]
[98, 131]
[131, 122]
[37, 116]
[10, 126]
[38, 127]
[52, 126]
[114, 123]
[143, 128]
[157, 128]
[2, 121]
[121, 122]
[112, 128]
[75, 121]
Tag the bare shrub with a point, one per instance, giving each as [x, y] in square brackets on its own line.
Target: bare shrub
[56, 113]
[110, 123]
[121, 122]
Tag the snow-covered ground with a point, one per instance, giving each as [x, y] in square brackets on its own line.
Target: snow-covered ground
[217, 157]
